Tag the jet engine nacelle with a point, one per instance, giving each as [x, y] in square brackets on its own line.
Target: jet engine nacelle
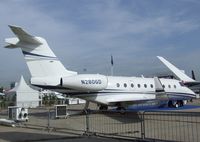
[85, 82]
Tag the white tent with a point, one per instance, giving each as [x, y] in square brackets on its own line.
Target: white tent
[23, 95]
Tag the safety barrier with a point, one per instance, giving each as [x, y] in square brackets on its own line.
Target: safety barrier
[149, 125]
[144, 125]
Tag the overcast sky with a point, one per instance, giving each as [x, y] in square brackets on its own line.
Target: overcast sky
[84, 33]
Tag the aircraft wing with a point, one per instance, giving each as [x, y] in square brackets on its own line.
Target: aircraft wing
[130, 99]
[126, 100]
[159, 94]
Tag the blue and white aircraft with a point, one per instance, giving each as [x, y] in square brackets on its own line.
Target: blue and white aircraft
[49, 73]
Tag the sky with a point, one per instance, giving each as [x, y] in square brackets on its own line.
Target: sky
[85, 33]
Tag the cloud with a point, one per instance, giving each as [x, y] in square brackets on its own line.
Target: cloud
[84, 34]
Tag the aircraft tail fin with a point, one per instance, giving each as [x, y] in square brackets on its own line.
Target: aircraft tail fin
[41, 61]
[177, 72]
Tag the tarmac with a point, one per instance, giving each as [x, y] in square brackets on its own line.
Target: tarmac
[35, 134]
[10, 134]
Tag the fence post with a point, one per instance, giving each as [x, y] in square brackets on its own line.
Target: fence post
[142, 125]
[87, 122]
[48, 122]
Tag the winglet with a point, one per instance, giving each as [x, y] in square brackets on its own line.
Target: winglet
[24, 36]
[177, 72]
[159, 90]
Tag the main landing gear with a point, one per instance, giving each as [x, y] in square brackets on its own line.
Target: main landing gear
[176, 104]
[103, 107]
[120, 108]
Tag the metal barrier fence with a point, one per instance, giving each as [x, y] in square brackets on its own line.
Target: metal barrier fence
[172, 126]
[114, 123]
[149, 125]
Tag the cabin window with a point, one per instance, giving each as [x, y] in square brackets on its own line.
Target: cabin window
[169, 86]
[138, 85]
[163, 86]
[174, 86]
[145, 86]
[132, 85]
[125, 85]
[118, 85]
[151, 85]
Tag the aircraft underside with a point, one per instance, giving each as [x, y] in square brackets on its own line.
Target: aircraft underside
[104, 99]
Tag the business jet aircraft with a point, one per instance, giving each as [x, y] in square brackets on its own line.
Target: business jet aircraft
[190, 83]
[49, 73]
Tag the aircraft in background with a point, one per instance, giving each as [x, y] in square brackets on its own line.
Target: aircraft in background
[179, 74]
[195, 88]
[49, 73]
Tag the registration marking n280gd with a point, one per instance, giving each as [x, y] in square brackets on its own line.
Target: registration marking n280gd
[93, 81]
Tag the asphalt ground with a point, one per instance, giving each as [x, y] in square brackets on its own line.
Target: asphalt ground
[10, 134]
[28, 134]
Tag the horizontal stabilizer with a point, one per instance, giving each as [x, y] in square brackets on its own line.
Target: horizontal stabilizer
[24, 36]
[177, 72]
[41, 60]
[12, 42]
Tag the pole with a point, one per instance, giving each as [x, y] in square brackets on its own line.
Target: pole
[112, 65]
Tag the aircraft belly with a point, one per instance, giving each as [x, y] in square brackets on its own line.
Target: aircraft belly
[107, 98]
[118, 97]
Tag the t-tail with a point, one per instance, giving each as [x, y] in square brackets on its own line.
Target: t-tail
[41, 61]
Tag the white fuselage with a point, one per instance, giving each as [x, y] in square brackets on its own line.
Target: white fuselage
[127, 89]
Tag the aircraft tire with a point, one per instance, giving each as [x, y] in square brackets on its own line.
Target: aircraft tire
[176, 105]
[170, 104]
[121, 110]
[103, 107]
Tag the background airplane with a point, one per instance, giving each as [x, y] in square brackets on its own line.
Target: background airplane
[189, 82]
[195, 88]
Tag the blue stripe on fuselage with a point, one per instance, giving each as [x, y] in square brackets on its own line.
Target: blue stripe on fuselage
[33, 54]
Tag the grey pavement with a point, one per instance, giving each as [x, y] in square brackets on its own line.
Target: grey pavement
[10, 134]
[174, 126]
